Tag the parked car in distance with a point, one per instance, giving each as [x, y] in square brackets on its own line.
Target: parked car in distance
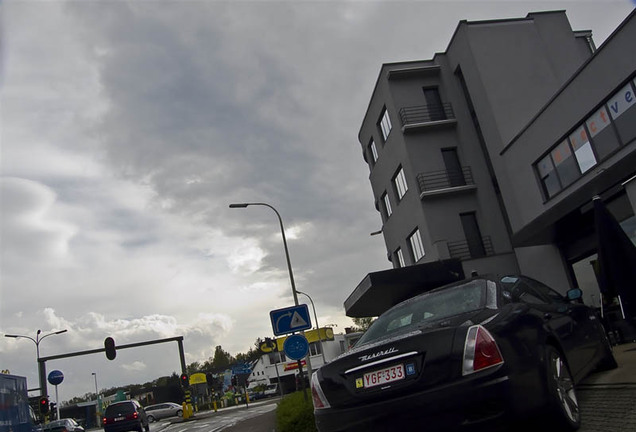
[63, 425]
[486, 351]
[256, 394]
[125, 416]
[163, 410]
[270, 390]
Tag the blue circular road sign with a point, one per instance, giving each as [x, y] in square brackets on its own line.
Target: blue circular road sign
[296, 346]
[56, 377]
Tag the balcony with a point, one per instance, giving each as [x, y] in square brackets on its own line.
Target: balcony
[426, 116]
[471, 249]
[442, 182]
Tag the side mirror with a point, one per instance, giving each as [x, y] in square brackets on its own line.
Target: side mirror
[575, 294]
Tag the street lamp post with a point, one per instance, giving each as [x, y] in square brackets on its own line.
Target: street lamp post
[37, 341]
[282, 231]
[97, 405]
[322, 351]
[291, 274]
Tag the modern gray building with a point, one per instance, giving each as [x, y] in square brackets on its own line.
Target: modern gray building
[487, 156]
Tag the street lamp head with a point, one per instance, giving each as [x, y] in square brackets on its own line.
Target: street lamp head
[61, 331]
[12, 336]
[239, 205]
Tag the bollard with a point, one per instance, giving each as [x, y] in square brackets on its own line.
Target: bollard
[215, 409]
[184, 408]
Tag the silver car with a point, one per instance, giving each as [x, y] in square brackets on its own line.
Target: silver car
[163, 410]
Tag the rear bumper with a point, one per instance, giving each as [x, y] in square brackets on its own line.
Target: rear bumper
[124, 426]
[463, 405]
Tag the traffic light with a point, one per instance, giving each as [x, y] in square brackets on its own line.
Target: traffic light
[44, 405]
[109, 347]
[184, 380]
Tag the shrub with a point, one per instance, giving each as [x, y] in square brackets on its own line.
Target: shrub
[294, 414]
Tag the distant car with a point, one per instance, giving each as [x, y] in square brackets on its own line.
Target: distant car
[270, 390]
[125, 416]
[480, 352]
[163, 410]
[256, 395]
[63, 425]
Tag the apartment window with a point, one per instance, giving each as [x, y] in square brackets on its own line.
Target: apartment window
[374, 151]
[417, 249]
[454, 172]
[315, 348]
[387, 205]
[399, 181]
[385, 124]
[434, 104]
[400, 258]
[276, 357]
[472, 233]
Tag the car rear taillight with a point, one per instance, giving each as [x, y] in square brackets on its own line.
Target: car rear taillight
[317, 395]
[480, 351]
[104, 420]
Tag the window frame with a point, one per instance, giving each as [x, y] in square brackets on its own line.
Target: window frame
[416, 245]
[399, 183]
[386, 202]
[384, 124]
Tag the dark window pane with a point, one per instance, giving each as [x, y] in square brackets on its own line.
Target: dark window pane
[565, 164]
[548, 176]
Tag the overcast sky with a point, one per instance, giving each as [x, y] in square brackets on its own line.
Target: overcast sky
[129, 127]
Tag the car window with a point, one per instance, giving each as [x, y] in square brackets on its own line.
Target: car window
[126, 408]
[434, 305]
[546, 292]
[518, 289]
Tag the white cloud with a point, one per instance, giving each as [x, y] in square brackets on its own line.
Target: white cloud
[126, 134]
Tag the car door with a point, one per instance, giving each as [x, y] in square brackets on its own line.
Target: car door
[572, 324]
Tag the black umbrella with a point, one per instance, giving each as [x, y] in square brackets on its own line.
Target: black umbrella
[616, 259]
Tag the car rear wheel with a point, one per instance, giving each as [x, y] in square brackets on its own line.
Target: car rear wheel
[180, 413]
[563, 403]
[151, 419]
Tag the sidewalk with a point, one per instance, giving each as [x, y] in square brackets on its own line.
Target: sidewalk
[624, 374]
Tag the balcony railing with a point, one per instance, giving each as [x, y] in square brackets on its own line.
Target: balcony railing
[471, 249]
[436, 180]
[425, 114]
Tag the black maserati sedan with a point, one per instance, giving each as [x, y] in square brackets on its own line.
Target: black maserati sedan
[485, 352]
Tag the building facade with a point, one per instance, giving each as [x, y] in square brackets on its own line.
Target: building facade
[490, 153]
[274, 367]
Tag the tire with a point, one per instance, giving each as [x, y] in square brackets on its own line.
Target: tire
[180, 413]
[563, 405]
[151, 419]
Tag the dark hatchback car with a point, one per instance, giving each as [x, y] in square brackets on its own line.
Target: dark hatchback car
[487, 351]
[125, 416]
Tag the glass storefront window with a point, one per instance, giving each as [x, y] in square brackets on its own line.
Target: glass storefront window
[582, 149]
[565, 164]
[548, 176]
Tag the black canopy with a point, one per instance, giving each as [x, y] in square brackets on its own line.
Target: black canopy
[616, 258]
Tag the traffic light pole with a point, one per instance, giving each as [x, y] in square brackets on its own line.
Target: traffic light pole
[42, 361]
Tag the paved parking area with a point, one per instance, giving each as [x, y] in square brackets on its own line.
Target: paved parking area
[608, 399]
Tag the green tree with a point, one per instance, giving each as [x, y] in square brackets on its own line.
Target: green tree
[193, 368]
[362, 324]
[221, 358]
